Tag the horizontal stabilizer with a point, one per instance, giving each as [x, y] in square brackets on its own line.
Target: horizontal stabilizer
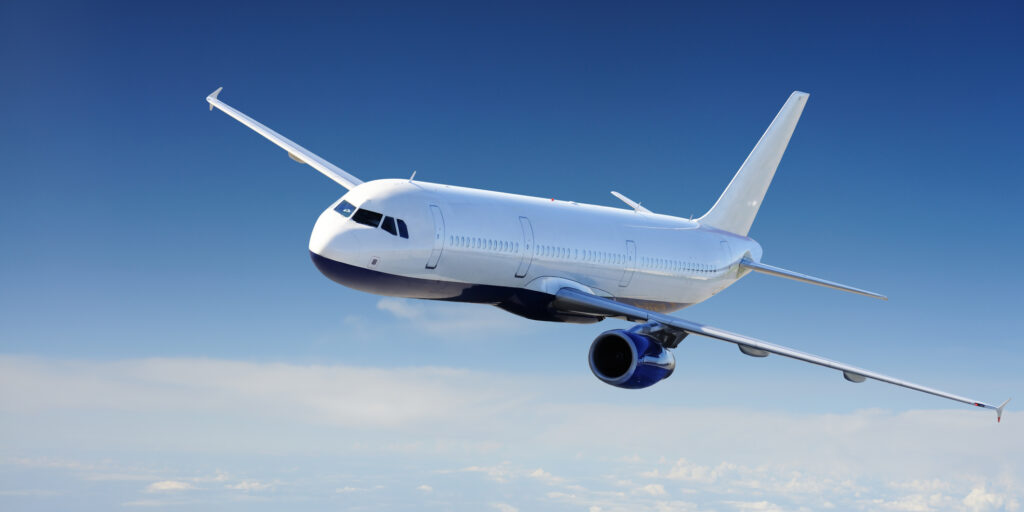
[796, 276]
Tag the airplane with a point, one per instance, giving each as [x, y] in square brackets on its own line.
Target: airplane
[563, 261]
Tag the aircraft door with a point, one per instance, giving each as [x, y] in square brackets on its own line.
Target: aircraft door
[527, 259]
[435, 254]
[627, 274]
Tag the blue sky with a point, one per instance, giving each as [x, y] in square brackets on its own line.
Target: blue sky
[151, 247]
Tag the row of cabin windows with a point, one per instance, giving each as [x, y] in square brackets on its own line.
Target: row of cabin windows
[677, 265]
[374, 219]
[483, 244]
[566, 253]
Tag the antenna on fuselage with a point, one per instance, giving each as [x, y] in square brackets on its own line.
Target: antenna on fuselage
[413, 176]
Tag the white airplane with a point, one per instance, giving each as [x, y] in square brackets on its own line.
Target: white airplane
[563, 261]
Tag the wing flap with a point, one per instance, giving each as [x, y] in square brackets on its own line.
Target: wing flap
[295, 151]
[580, 302]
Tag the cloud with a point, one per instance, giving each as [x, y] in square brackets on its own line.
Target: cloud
[169, 486]
[755, 505]
[560, 446]
[249, 485]
[425, 488]
[689, 472]
[504, 507]
[981, 500]
[652, 489]
[453, 320]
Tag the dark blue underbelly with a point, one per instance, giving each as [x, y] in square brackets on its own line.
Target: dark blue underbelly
[527, 303]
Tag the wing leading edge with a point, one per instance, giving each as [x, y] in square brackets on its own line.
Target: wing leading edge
[577, 301]
[295, 151]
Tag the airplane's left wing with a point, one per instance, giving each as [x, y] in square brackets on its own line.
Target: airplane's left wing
[577, 301]
[295, 151]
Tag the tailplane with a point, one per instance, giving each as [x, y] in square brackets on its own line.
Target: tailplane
[736, 208]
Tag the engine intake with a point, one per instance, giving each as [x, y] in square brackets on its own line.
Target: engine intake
[626, 359]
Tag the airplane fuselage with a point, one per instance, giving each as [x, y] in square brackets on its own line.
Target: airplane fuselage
[517, 251]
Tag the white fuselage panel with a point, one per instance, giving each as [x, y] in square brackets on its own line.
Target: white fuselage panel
[495, 239]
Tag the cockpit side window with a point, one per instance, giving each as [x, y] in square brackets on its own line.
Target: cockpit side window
[402, 230]
[389, 225]
[345, 208]
[367, 217]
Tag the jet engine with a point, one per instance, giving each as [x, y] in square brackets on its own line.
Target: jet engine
[628, 359]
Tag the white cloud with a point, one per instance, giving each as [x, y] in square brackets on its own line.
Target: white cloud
[981, 500]
[607, 450]
[249, 485]
[425, 488]
[504, 507]
[922, 486]
[453, 320]
[169, 486]
[755, 505]
[349, 489]
[689, 472]
[652, 490]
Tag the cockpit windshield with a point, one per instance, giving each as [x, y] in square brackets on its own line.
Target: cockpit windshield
[367, 217]
[396, 227]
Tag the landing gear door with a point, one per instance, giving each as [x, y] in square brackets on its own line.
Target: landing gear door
[527, 259]
[627, 274]
[435, 253]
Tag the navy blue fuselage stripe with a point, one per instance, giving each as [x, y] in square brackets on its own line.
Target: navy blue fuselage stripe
[520, 301]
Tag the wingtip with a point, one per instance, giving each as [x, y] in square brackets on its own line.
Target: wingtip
[213, 96]
[999, 411]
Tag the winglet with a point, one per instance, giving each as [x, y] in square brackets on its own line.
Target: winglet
[999, 411]
[213, 96]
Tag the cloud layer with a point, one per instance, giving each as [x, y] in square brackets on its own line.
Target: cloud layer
[207, 433]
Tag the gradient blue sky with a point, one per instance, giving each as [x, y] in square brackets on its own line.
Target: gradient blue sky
[140, 229]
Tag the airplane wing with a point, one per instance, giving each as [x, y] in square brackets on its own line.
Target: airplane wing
[295, 151]
[578, 301]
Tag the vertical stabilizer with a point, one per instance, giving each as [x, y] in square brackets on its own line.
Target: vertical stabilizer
[736, 208]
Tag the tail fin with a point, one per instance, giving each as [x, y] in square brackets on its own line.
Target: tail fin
[736, 208]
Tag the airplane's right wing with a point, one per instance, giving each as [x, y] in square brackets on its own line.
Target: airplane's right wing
[578, 301]
[295, 151]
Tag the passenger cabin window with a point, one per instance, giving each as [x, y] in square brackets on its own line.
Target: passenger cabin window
[367, 217]
[345, 208]
[389, 225]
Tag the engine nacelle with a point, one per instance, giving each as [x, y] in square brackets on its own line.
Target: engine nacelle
[630, 360]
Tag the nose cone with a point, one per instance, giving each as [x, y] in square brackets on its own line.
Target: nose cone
[331, 239]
